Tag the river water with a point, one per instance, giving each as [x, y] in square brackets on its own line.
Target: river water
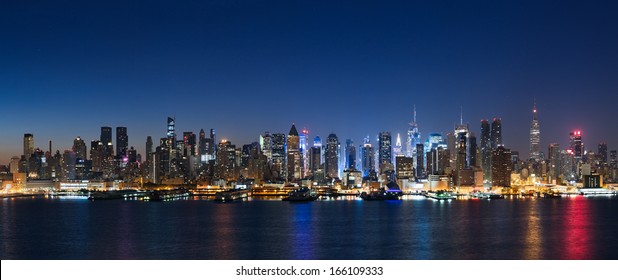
[418, 228]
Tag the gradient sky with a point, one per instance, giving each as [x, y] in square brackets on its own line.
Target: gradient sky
[353, 68]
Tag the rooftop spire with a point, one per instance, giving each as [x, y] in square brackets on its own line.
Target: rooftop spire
[414, 113]
[534, 109]
[461, 116]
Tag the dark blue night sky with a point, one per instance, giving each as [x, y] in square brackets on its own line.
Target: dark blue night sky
[353, 68]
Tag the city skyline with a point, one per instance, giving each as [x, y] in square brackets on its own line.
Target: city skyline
[328, 67]
[140, 146]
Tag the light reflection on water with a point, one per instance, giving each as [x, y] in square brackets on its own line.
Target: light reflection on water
[266, 228]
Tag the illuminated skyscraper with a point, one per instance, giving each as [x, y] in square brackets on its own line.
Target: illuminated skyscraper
[397, 149]
[420, 161]
[535, 136]
[225, 167]
[266, 146]
[602, 153]
[171, 129]
[613, 159]
[79, 148]
[190, 148]
[385, 159]
[122, 141]
[501, 166]
[414, 137]
[28, 145]
[472, 148]
[212, 148]
[350, 154]
[496, 133]
[149, 149]
[367, 157]
[106, 135]
[303, 138]
[293, 155]
[486, 150]
[315, 157]
[576, 145]
[331, 156]
[461, 151]
[279, 155]
[554, 161]
[202, 143]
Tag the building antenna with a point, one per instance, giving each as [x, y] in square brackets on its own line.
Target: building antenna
[461, 116]
[414, 113]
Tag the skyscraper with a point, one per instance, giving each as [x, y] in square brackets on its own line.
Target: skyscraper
[79, 148]
[331, 156]
[303, 138]
[486, 150]
[603, 153]
[315, 157]
[171, 130]
[122, 141]
[225, 167]
[613, 159]
[106, 140]
[554, 161]
[202, 143]
[535, 136]
[501, 166]
[461, 151]
[279, 155]
[367, 157]
[190, 148]
[420, 161]
[397, 148]
[266, 146]
[213, 144]
[149, 149]
[350, 154]
[576, 145]
[414, 137]
[28, 145]
[106, 135]
[472, 147]
[385, 159]
[293, 155]
[496, 133]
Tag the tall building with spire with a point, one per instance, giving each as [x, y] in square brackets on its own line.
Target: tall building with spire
[397, 149]
[414, 137]
[535, 136]
[303, 138]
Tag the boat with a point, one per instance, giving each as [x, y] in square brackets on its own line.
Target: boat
[529, 193]
[167, 195]
[105, 195]
[381, 194]
[441, 195]
[302, 194]
[551, 195]
[231, 195]
[486, 195]
[595, 191]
